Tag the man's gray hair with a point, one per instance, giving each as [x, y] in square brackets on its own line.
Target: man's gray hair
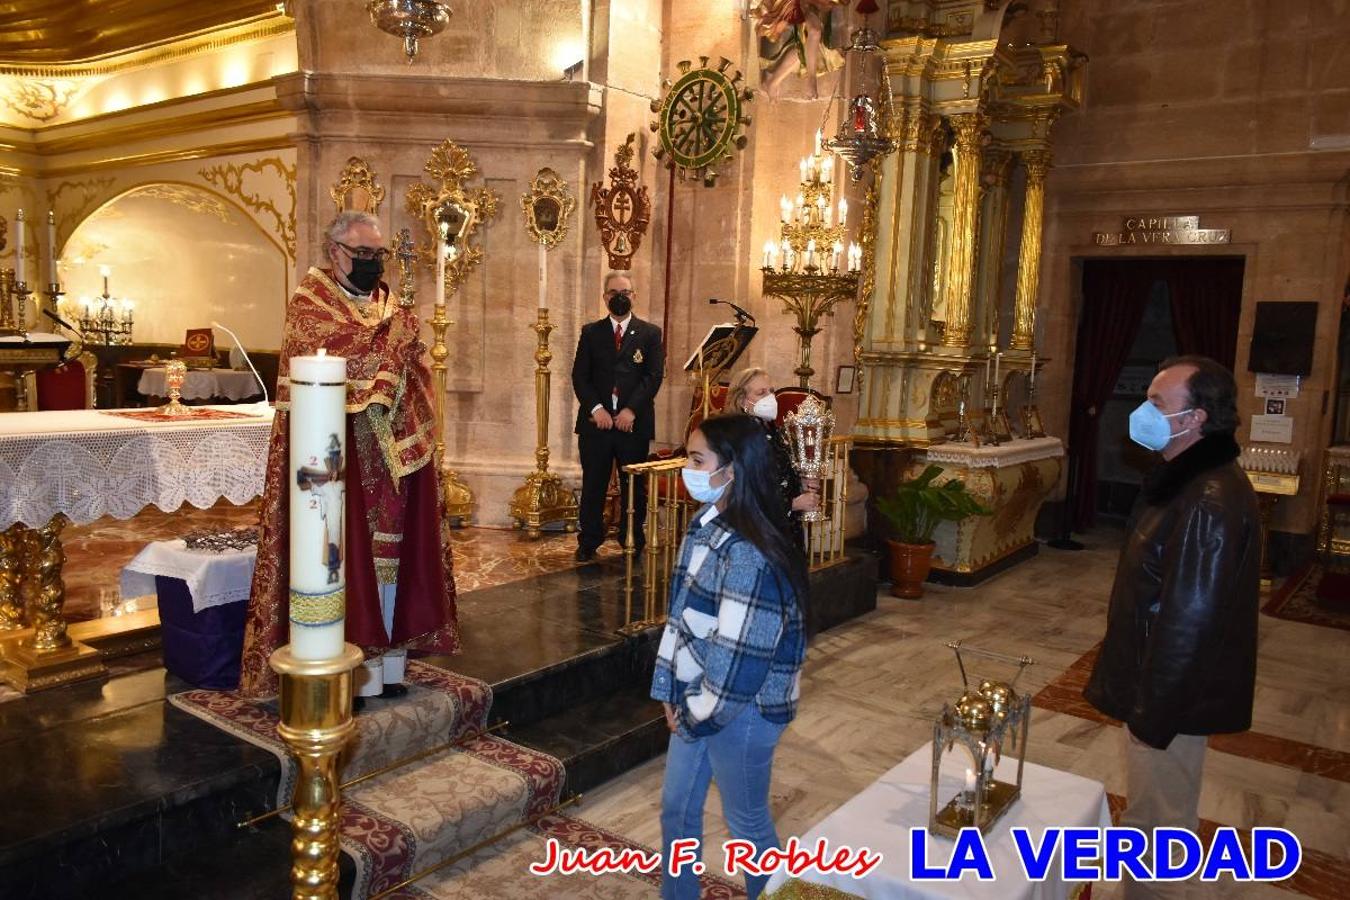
[343, 223]
[616, 273]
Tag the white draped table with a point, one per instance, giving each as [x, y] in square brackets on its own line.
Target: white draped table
[881, 816]
[202, 384]
[80, 466]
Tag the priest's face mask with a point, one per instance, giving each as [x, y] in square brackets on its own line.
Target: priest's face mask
[358, 259]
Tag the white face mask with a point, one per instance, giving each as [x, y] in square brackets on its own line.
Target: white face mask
[766, 408]
[696, 483]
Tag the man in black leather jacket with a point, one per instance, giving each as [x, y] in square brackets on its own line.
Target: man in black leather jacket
[1179, 658]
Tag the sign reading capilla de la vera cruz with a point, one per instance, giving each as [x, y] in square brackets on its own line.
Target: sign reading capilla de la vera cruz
[1162, 230]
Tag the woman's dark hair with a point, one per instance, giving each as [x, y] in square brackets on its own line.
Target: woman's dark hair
[1211, 387]
[754, 503]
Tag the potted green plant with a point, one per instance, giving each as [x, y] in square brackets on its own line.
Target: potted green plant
[915, 510]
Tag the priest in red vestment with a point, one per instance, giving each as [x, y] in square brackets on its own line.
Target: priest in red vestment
[399, 585]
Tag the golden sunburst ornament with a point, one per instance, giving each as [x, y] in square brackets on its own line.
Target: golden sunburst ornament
[700, 119]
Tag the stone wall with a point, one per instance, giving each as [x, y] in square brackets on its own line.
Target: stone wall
[1236, 112]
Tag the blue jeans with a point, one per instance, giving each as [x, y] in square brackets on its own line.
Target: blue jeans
[740, 757]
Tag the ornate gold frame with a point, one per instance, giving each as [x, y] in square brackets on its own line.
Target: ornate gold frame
[357, 175]
[622, 236]
[547, 187]
[451, 212]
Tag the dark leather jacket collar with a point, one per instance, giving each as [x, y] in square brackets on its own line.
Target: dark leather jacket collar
[1167, 480]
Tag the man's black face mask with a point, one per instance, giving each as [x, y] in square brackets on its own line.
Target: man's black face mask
[365, 274]
[620, 304]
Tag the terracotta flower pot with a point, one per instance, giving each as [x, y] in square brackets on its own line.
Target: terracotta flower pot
[910, 565]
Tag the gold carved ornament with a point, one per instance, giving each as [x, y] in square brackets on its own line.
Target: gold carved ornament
[229, 177]
[623, 210]
[357, 181]
[548, 207]
[699, 120]
[451, 212]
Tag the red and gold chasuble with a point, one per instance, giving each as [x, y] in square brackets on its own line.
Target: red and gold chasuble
[394, 530]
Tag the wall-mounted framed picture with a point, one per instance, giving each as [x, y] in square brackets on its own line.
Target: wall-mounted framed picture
[843, 379]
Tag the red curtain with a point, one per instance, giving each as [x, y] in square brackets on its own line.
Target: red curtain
[1115, 294]
[1206, 297]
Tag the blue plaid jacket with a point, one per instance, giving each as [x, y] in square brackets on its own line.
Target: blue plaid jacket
[734, 635]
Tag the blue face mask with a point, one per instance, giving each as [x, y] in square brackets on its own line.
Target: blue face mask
[696, 483]
[1149, 426]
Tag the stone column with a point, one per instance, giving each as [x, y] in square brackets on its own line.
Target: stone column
[959, 289]
[1037, 163]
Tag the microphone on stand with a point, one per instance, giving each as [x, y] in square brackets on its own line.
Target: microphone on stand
[60, 321]
[68, 327]
[741, 315]
[238, 343]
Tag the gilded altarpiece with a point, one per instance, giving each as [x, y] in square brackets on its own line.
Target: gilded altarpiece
[969, 106]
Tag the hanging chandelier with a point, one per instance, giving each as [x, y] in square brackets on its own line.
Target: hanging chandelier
[860, 138]
[410, 20]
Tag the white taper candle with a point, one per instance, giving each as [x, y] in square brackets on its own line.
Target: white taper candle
[543, 276]
[20, 265]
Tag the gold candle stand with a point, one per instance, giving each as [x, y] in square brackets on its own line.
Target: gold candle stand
[316, 723]
[808, 295]
[459, 501]
[543, 498]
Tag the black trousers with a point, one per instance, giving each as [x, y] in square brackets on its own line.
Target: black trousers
[599, 451]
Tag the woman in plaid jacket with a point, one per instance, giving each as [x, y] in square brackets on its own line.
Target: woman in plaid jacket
[730, 658]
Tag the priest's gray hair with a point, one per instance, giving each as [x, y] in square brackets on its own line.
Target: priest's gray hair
[336, 232]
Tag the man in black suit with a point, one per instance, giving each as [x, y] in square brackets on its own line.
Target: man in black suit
[616, 374]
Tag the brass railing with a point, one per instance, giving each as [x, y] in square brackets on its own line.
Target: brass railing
[667, 517]
[668, 512]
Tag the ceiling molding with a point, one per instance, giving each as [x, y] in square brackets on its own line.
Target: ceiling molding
[48, 45]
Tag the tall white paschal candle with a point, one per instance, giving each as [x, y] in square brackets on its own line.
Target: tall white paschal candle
[318, 462]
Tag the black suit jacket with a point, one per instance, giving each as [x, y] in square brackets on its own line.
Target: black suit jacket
[636, 371]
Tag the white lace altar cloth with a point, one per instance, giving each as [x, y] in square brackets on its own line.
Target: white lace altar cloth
[1008, 453]
[212, 579]
[202, 384]
[88, 465]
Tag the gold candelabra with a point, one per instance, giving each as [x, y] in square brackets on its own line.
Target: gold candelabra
[808, 295]
[13, 297]
[807, 269]
[543, 498]
[102, 322]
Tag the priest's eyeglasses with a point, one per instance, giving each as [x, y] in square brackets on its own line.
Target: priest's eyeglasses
[380, 253]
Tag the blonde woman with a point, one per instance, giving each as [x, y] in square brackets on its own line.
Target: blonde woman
[751, 392]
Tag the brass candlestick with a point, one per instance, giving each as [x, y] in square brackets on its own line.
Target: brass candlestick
[458, 497]
[808, 295]
[316, 722]
[543, 498]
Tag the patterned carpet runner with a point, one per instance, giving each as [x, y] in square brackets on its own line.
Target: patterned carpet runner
[400, 823]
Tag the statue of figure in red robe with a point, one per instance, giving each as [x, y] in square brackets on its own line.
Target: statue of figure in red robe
[396, 553]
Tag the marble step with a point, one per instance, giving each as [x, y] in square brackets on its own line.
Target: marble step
[602, 739]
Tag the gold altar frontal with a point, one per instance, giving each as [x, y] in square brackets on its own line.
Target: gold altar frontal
[1013, 479]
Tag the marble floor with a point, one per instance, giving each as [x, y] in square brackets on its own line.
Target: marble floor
[872, 687]
[95, 553]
